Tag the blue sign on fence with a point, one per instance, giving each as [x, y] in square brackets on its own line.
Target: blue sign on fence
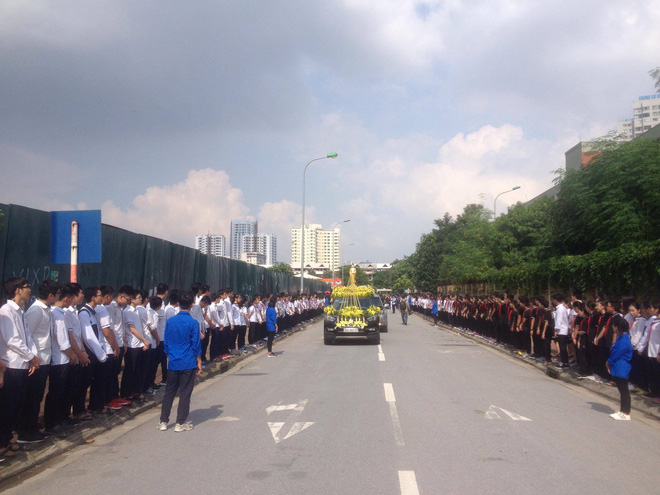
[89, 236]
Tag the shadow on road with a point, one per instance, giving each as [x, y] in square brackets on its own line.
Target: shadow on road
[199, 416]
[601, 408]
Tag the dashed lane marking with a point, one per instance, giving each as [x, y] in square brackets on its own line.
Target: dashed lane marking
[396, 424]
[408, 483]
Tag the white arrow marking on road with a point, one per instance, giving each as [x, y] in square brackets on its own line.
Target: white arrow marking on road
[283, 430]
[492, 414]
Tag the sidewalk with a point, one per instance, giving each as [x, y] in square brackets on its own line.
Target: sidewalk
[638, 402]
[85, 433]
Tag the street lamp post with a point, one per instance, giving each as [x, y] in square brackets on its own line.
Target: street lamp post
[495, 202]
[333, 252]
[302, 227]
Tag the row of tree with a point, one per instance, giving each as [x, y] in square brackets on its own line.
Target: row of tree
[602, 234]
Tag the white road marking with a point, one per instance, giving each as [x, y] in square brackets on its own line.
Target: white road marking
[408, 483]
[281, 430]
[389, 392]
[492, 414]
[396, 424]
[227, 418]
[381, 355]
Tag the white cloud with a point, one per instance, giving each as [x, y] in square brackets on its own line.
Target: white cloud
[204, 202]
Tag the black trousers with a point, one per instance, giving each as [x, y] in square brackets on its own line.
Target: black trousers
[622, 385]
[12, 396]
[150, 372]
[271, 336]
[113, 381]
[134, 375]
[183, 382]
[99, 382]
[215, 346]
[205, 346]
[652, 369]
[158, 361]
[28, 421]
[241, 335]
[53, 407]
[252, 335]
[563, 349]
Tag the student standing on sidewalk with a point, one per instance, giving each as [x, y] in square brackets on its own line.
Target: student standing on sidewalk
[271, 324]
[184, 361]
[618, 365]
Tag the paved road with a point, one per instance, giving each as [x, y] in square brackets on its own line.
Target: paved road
[426, 412]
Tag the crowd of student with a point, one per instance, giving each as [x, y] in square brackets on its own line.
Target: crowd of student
[591, 337]
[98, 350]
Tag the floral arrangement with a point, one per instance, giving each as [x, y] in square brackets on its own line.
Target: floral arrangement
[362, 291]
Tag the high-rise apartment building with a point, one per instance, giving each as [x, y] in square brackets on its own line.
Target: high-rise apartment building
[267, 245]
[215, 244]
[239, 230]
[321, 245]
[646, 114]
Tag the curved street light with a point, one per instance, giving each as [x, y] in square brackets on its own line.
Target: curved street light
[495, 202]
[302, 227]
[333, 252]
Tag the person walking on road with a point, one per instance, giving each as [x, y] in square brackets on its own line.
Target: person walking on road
[404, 309]
[182, 344]
[271, 324]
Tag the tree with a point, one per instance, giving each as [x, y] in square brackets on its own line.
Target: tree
[284, 268]
[655, 74]
[402, 284]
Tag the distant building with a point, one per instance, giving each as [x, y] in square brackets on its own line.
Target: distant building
[238, 231]
[253, 258]
[215, 244]
[646, 114]
[267, 245]
[322, 246]
[370, 269]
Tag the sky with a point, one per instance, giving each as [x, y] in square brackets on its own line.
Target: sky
[174, 118]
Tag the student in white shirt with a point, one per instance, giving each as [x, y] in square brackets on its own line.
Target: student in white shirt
[253, 320]
[238, 316]
[79, 372]
[152, 336]
[40, 325]
[20, 356]
[172, 309]
[561, 327]
[56, 408]
[132, 380]
[95, 343]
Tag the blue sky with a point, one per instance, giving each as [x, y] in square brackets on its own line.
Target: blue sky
[174, 118]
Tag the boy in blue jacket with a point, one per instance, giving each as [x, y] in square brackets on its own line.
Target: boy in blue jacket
[619, 366]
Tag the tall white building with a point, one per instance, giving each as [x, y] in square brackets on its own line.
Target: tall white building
[646, 114]
[239, 230]
[267, 245]
[321, 246]
[215, 244]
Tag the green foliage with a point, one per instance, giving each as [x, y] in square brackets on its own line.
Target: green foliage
[402, 284]
[603, 233]
[281, 267]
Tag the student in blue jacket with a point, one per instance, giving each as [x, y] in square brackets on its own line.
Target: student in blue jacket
[619, 366]
[271, 324]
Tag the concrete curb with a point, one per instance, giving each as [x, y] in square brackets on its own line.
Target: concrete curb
[52, 447]
[638, 403]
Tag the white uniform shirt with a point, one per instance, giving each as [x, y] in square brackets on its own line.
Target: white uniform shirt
[72, 322]
[105, 321]
[227, 302]
[95, 343]
[152, 327]
[132, 318]
[644, 339]
[160, 329]
[654, 338]
[40, 324]
[197, 314]
[561, 320]
[117, 318]
[60, 339]
[636, 330]
[17, 348]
